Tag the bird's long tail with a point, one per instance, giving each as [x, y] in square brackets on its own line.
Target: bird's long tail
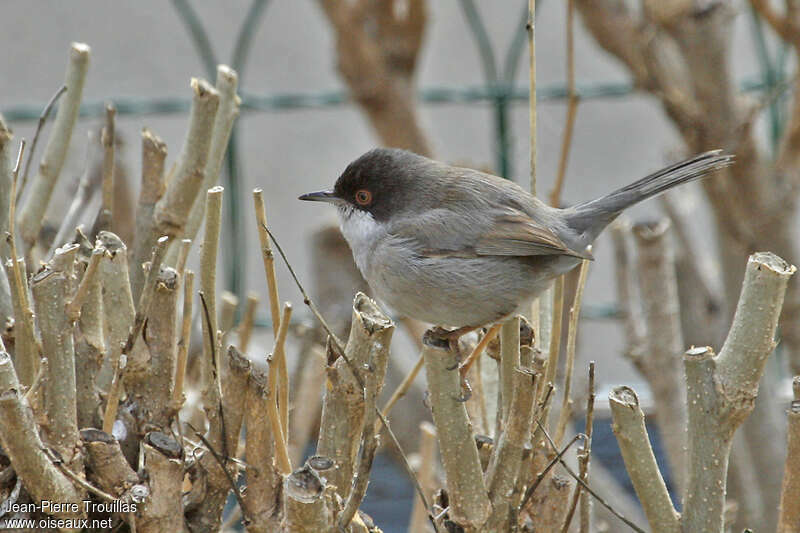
[591, 217]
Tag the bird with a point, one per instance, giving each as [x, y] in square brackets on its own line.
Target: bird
[463, 249]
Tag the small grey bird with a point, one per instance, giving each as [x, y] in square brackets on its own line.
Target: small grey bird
[456, 247]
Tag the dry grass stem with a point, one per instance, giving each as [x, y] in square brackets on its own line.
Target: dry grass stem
[269, 261]
[572, 108]
[419, 521]
[532, 91]
[401, 389]
[275, 417]
[572, 336]
[208, 272]
[183, 343]
[107, 140]
[476, 352]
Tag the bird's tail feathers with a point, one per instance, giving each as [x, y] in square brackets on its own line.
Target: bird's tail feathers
[591, 217]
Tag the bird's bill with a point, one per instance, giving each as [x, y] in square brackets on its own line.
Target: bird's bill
[319, 196]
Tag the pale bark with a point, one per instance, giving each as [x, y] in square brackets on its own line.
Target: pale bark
[721, 390]
[33, 210]
[228, 111]
[466, 490]
[629, 427]
[789, 517]
[343, 405]
[22, 444]
[660, 363]
[154, 152]
[50, 288]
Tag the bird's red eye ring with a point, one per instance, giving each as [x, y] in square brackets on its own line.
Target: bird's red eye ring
[363, 197]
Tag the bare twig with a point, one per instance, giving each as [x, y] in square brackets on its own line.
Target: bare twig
[572, 335]
[585, 456]
[106, 214]
[789, 516]
[23, 445]
[183, 343]
[572, 108]
[221, 460]
[401, 389]
[269, 261]
[539, 478]
[228, 111]
[208, 273]
[74, 306]
[722, 388]
[33, 210]
[427, 476]
[340, 349]
[138, 323]
[39, 126]
[476, 352]
[26, 349]
[532, 91]
[640, 462]
[381, 335]
[585, 486]
[50, 288]
[154, 152]
[466, 488]
[245, 329]
[275, 417]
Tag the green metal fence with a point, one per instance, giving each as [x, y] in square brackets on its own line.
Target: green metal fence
[499, 89]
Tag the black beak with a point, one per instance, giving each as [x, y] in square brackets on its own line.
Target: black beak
[319, 196]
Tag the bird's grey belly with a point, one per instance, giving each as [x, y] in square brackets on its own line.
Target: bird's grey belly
[459, 291]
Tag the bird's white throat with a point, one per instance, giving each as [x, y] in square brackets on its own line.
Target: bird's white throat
[362, 233]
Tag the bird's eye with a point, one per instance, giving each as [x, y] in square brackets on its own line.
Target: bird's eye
[363, 197]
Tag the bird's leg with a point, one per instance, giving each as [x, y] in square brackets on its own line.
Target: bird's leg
[452, 337]
[478, 350]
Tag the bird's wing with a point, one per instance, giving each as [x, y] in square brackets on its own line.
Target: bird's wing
[514, 233]
[509, 232]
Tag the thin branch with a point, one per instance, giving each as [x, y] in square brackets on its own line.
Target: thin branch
[640, 462]
[74, 306]
[466, 488]
[340, 349]
[275, 417]
[221, 460]
[572, 335]
[39, 126]
[585, 485]
[401, 389]
[27, 349]
[36, 202]
[476, 352]
[539, 478]
[572, 108]
[78, 480]
[532, 91]
[139, 320]
[183, 343]
[269, 261]
[248, 319]
[106, 214]
[789, 515]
